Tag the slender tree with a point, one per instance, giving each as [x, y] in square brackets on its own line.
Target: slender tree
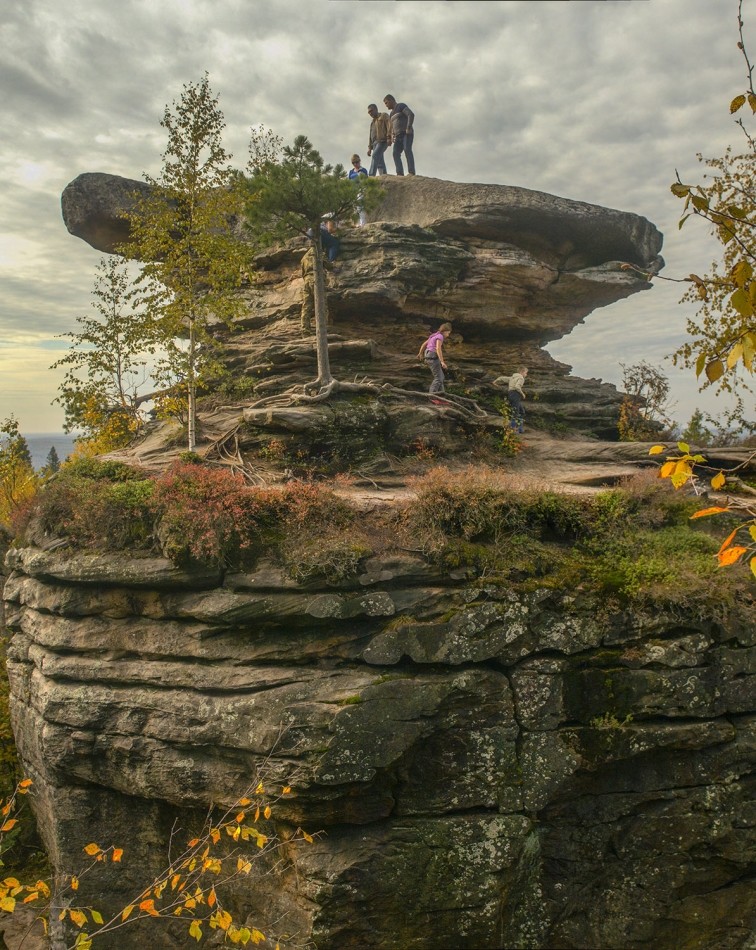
[290, 190]
[107, 366]
[182, 234]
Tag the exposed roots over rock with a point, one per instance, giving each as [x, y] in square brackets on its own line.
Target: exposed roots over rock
[466, 410]
[225, 451]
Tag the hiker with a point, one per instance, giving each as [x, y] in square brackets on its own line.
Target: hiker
[329, 240]
[515, 395]
[402, 135]
[432, 352]
[378, 140]
[355, 174]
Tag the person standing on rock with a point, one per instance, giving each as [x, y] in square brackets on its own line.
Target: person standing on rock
[515, 395]
[433, 354]
[402, 120]
[378, 140]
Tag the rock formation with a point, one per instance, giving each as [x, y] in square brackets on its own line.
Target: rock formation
[512, 269]
[483, 764]
[489, 767]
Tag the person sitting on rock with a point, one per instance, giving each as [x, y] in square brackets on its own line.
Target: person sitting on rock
[515, 395]
[432, 352]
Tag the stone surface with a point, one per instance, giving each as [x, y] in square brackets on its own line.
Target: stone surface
[512, 269]
[485, 766]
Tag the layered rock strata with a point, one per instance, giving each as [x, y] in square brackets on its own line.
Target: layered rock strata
[512, 269]
[488, 766]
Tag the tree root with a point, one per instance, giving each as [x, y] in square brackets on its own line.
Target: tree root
[225, 451]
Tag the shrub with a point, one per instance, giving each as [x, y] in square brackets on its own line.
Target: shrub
[205, 515]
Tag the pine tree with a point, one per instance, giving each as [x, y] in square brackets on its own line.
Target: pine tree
[52, 463]
[191, 263]
[290, 191]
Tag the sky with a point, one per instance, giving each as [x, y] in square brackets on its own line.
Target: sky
[593, 100]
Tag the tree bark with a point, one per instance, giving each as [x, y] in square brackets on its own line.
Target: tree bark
[321, 317]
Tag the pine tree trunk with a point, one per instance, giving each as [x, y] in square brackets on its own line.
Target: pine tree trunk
[321, 317]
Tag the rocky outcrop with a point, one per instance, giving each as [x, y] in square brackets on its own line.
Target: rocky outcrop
[512, 269]
[489, 766]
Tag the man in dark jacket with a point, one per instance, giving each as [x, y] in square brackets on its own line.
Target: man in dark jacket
[402, 120]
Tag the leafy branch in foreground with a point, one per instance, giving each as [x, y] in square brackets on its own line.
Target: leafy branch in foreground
[189, 888]
[687, 468]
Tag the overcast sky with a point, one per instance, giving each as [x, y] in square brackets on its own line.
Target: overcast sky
[594, 100]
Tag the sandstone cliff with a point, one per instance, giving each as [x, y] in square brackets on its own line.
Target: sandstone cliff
[490, 765]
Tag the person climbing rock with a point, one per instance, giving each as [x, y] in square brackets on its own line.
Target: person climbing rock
[433, 354]
[515, 395]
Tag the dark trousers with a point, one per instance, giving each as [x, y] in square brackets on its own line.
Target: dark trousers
[403, 143]
[517, 416]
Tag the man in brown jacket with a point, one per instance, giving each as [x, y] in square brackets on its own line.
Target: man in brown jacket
[378, 139]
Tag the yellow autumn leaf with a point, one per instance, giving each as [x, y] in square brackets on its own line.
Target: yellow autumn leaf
[126, 912]
[195, 930]
[74, 883]
[211, 898]
[286, 790]
[215, 835]
[97, 916]
[244, 802]
[727, 541]
[148, 907]
[117, 854]
[753, 566]
[223, 919]
[83, 942]
[718, 481]
[7, 904]
[12, 882]
[267, 811]
[752, 531]
[307, 837]
[705, 512]
[654, 450]
[10, 823]
[92, 849]
[734, 355]
[257, 936]
[78, 917]
[43, 888]
[242, 866]
[260, 789]
[667, 469]
[193, 843]
[32, 897]
[731, 555]
[26, 783]
[240, 817]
